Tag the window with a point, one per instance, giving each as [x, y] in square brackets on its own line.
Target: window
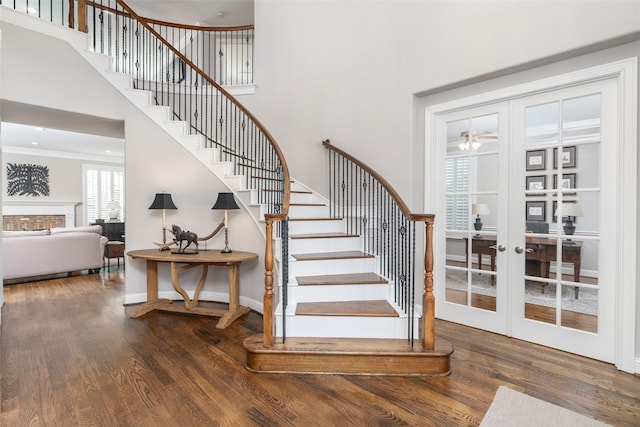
[457, 199]
[101, 185]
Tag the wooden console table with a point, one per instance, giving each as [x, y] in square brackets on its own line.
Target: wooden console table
[183, 262]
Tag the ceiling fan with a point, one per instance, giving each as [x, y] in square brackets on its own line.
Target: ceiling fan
[473, 141]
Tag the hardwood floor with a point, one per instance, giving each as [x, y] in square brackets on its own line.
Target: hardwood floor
[71, 356]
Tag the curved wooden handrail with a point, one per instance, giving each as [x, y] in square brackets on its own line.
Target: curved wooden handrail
[170, 24]
[285, 169]
[396, 197]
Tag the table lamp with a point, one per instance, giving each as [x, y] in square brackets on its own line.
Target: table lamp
[163, 201]
[114, 210]
[479, 209]
[225, 201]
[571, 210]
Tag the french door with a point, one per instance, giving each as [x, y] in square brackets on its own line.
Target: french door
[527, 206]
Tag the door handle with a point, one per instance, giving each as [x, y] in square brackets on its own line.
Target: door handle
[501, 248]
[520, 250]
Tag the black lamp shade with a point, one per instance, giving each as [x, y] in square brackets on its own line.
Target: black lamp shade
[225, 201]
[162, 201]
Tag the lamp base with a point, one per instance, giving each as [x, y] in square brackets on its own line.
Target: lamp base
[226, 249]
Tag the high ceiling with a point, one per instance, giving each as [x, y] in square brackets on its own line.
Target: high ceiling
[196, 12]
[19, 137]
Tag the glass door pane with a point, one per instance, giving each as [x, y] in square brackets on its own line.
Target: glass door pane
[471, 199]
[562, 225]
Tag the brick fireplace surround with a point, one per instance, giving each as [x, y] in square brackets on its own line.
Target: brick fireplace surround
[37, 216]
[31, 222]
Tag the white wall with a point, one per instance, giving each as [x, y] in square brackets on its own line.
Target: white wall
[357, 71]
[348, 70]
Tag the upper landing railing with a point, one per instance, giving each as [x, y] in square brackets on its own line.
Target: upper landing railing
[223, 53]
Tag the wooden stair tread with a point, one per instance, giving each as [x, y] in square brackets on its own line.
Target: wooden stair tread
[362, 356]
[321, 236]
[331, 255]
[341, 279]
[324, 218]
[376, 308]
[291, 191]
[307, 204]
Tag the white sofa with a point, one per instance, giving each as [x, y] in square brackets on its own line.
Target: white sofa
[59, 250]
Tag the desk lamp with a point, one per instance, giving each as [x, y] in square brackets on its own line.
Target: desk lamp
[479, 209]
[571, 210]
[163, 201]
[225, 201]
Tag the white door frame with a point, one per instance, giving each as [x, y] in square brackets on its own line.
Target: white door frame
[625, 73]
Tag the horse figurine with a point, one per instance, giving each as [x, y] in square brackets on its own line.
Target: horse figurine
[181, 235]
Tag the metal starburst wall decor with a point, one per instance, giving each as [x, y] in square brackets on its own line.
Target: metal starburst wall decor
[27, 180]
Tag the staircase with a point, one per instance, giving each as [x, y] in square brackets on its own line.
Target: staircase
[337, 310]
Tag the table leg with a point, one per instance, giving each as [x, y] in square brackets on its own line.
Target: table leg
[152, 292]
[576, 277]
[235, 310]
[188, 303]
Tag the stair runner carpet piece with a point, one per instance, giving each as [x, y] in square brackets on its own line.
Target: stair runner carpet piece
[514, 409]
[586, 303]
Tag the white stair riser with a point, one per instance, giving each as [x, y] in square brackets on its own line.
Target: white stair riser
[175, 128]
[305, 246]
[222, 168]
[159, 113]
[324, 226]
[345, 327]
[302, 198]
[308, 211]
[337, 293]
[192, 142]
[248, 197]
[235, 182]
[343, 266]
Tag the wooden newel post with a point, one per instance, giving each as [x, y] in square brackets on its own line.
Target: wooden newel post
[428, 302]
[82, 16]
[267, 302]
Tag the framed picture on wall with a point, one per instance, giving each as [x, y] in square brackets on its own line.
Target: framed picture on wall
[536, 211]
[536, 160]
[567, 182]
[568, 157]
[535, 183]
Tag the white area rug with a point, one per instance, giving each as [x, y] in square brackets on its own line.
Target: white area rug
[511, 408]
[587, 301]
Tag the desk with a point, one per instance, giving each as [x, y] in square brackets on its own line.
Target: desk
[540, 249]
[183, 262]
[482, 246]
[545, 250]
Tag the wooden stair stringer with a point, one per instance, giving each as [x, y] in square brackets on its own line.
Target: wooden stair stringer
[348, 356]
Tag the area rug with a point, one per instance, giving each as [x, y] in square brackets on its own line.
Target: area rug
[512, 408]
[586, 303]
